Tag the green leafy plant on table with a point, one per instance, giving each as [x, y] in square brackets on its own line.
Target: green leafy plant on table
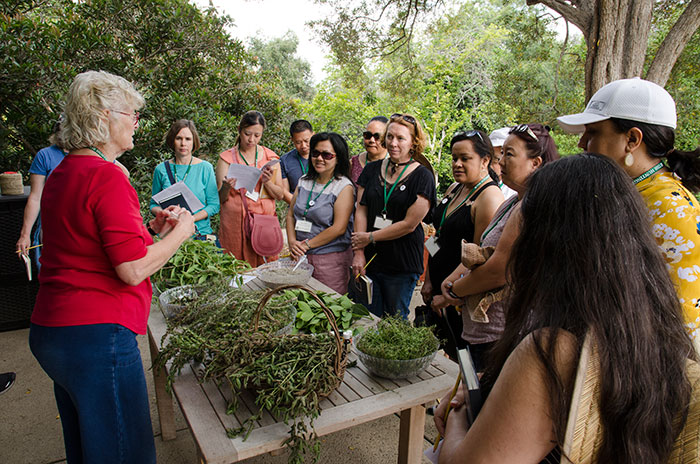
[310, 317]
[195, 263]
[395, 349]
[288, 374]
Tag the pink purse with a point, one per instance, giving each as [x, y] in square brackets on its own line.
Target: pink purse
[263, 230]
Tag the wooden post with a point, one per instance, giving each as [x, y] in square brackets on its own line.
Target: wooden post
[411, 435]
[164, 402]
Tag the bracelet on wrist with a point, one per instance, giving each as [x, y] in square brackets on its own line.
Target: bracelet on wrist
[451, 292]
[306, 242]
[371, 237]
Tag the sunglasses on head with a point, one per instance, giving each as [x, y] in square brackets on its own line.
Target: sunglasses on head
[405, 117]
[326, 155]
[469, 134]
[368, 135]
[524, 129]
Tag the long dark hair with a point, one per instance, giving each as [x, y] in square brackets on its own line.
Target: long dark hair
[586, 261]
[659, 141]
[482, 146]
[340, 147]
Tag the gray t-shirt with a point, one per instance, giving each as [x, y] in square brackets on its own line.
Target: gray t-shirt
[320, 213]
[477, 332]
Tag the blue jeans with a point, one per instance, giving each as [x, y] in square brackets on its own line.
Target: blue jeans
[100, 390]
[391, 294]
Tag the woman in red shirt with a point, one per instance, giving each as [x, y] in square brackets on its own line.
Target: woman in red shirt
[95, 292]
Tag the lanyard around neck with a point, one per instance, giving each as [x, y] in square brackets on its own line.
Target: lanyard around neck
[309, 201]
[304, 170]
[99, 153]
[243, 157]
[186, 172]
[386, 196]
[469, 195]
[649, 173]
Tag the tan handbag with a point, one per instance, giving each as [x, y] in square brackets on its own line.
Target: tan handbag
[584, 435]
[474, 256]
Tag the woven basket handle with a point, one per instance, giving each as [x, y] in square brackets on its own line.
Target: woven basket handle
[326, 311]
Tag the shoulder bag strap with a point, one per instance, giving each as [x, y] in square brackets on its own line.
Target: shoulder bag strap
[169, 171]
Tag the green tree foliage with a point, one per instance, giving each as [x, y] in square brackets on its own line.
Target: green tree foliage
[482, 66]
[178, 56]
[278, 58]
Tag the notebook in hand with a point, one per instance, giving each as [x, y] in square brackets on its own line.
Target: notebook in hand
[177, 199]
[470, 380]
[361, 287]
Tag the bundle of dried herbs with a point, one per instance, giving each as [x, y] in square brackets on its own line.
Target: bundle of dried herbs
[288, 374]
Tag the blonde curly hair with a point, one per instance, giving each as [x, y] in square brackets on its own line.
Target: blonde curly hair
[92, 92]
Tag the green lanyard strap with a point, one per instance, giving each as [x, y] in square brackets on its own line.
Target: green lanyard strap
[301, 165]
[386, 196]
[649, 173]
[471, 192]
[97, 150]
[243, 157]
[309, 201]
[186, 172]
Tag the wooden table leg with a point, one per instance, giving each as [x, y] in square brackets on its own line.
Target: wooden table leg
[164, 401]
[411, 435]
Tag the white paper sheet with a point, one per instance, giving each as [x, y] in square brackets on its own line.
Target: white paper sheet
[27, 265]
[247, 176]
[176, 189]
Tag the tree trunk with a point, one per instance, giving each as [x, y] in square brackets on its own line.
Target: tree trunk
[674, 43]
[617, 41]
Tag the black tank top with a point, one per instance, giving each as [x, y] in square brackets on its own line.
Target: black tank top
[457, 226]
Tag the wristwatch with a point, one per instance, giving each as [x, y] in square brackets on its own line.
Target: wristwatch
[452, 293]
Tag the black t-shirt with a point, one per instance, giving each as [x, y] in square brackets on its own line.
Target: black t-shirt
[457, 226]
[404, 254]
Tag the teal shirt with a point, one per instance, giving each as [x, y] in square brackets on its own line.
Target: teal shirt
[200, 180]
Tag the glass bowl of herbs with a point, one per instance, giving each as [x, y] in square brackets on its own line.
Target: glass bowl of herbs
[394, 349]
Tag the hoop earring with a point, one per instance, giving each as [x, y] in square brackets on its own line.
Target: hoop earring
[629, 160]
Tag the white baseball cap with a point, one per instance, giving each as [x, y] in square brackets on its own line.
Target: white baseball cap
[634, 99]
[499, 136]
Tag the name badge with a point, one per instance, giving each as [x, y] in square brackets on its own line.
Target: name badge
[253, 195]
[432, 245]
[303, 225]
[381, 223]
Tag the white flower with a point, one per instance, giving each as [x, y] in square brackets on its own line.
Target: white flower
[689, 273]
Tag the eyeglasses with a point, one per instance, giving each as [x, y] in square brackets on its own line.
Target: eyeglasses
[325, 154]
[409, 119]
[524, 129]
[135, 116]
[469, 134]
[368, 135]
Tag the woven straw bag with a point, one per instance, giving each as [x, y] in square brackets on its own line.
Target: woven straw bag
[583, 432]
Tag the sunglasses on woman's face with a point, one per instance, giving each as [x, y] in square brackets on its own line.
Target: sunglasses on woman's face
[368, 135]
[326, 155]
[524, 129]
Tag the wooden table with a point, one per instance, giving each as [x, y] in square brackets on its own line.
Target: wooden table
[359, 399]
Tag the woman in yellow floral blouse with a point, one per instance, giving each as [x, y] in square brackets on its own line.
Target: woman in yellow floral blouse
[632, 122]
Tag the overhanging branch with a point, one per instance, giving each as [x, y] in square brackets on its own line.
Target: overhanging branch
[578, 15]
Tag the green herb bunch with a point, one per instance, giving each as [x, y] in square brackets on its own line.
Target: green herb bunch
[288, 374]
[310, 316]
[197, 262]
[395, 338]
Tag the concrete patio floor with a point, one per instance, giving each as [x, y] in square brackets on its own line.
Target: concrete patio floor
[30, 429]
